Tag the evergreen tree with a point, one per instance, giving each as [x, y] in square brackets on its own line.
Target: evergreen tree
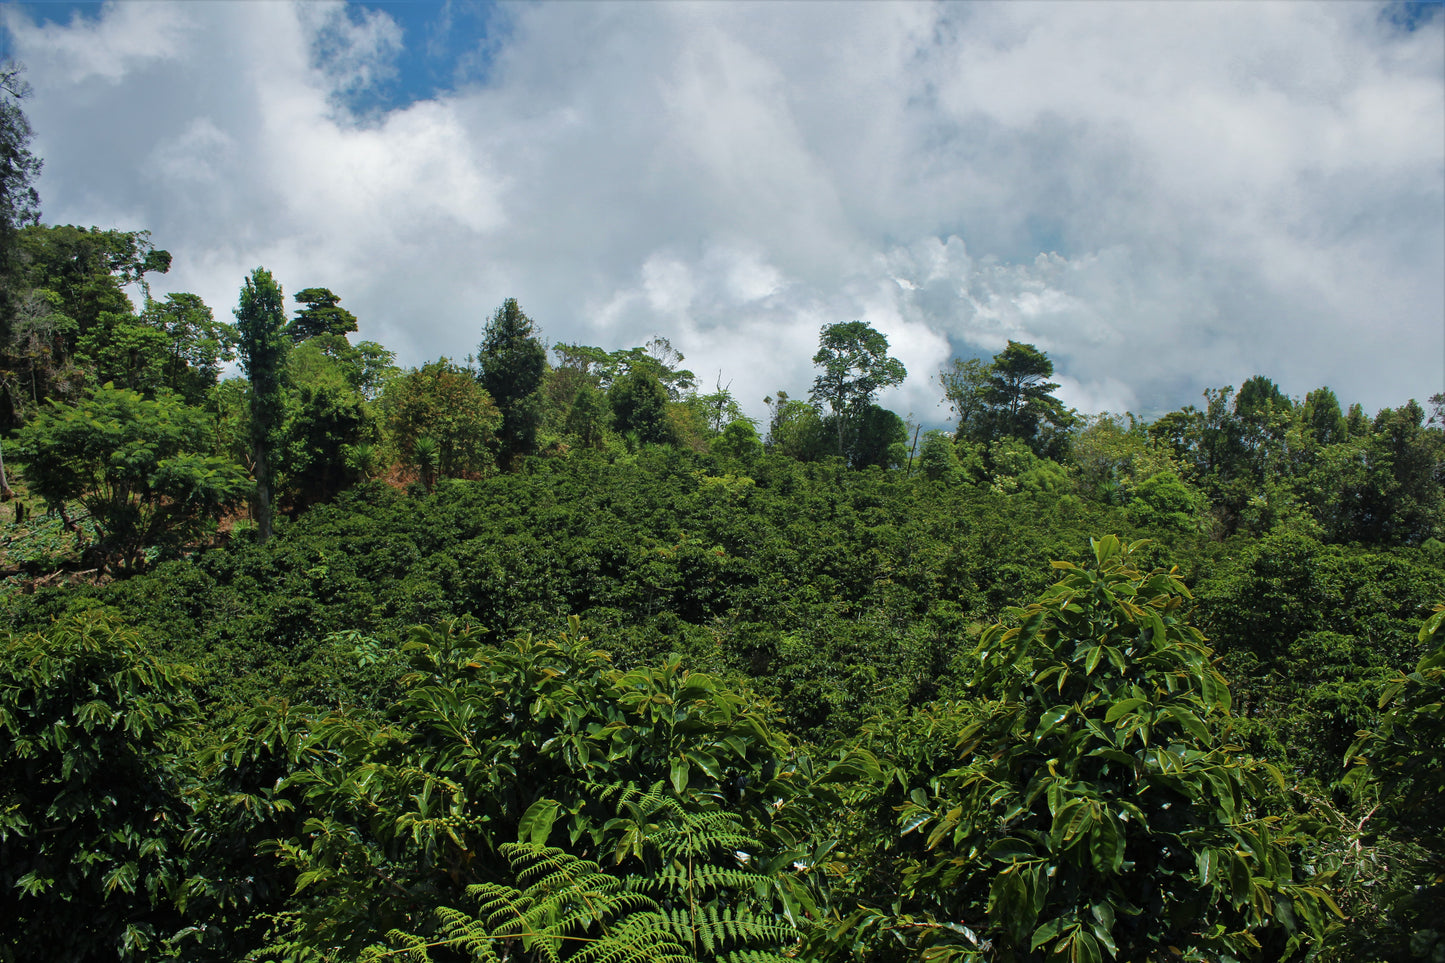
[512, 362]
[261, 323]
[319, 316]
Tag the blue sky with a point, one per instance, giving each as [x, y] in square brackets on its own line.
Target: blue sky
[1164, 197]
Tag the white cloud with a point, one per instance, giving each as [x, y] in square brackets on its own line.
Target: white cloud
[1163, 197]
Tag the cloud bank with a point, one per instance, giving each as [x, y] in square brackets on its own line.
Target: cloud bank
[1164, 197]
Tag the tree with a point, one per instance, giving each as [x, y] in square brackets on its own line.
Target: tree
[1009, 397]
[963, 390]
[739, 442]
[880, 438]
[796, 430]
[511, 362]
[856, 366]
[260, 326]
[639, 408]
[326, 421]
[71, 297]
[587, 417]
[319, 316]
[141, 467]
[196, 344]
[19, 170]
[442, 402]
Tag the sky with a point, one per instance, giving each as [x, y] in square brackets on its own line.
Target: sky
[1162, 197]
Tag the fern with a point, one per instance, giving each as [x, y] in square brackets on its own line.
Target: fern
[713, 900]
[562, 909]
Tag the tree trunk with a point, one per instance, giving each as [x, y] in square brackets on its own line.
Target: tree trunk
[263, 493]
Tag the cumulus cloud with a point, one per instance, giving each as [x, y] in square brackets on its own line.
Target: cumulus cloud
[1163, 197]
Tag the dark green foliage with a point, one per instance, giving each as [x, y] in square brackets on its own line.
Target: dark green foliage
[261, 344]
[1091, 806]
[1011, 397]
[639, 408]
[511, 361]
[1401, 763]
[69, 299]
[91, 808]
[321, 315]
[537, 741]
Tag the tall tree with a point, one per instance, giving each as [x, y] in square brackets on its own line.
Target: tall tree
[19, 169]
[1009, 398]
[512, 361]
[196, 344]
[639, 408]
[856, 366]
[260, 325]
[321, 315]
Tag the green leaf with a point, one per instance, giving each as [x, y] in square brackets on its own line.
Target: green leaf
[679, 775]
[1189, 721]
[1009, 849]
[1046, 932]
[705, 762]
[1049, 722]
[536, 823]
[1123, 708]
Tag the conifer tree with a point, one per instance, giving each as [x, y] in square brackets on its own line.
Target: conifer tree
[512, 361]
[261, 322]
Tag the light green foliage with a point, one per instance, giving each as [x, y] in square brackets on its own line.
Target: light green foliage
[91, 772]
[1112, 457]
[566, 909]
[1015, 469]
[739, 442]
[795, 429]
[1164, 503]
[139, 466]
[937, 459]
